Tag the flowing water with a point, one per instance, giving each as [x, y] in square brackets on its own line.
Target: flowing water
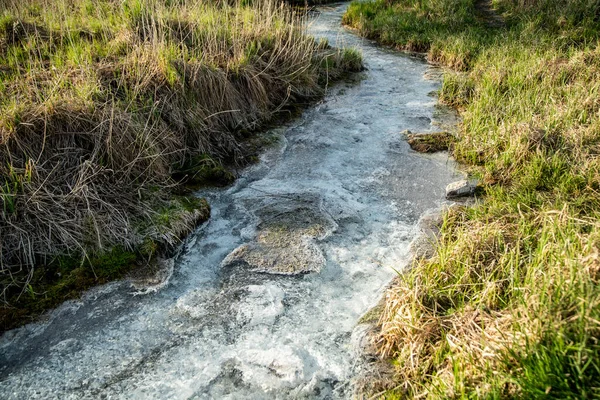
[336, 198]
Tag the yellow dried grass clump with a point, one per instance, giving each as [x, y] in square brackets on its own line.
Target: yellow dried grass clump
[433, 324]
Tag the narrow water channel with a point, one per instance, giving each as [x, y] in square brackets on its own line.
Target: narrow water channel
[337, 197]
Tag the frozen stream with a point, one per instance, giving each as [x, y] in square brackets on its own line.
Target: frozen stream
[339, 196]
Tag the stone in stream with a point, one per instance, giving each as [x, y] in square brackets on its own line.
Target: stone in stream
[423, 245]
[286, 245]
[373, 373]
[462, 188]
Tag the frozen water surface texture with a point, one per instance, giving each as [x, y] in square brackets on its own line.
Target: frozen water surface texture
[263, 300]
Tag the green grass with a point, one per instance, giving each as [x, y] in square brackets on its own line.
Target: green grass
[448, 31]
[509, 306]
[106, 107]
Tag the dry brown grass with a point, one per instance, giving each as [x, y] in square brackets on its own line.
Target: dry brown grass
[432, 347]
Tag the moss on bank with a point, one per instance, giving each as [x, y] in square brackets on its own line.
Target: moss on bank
[509, 305]
[430, 142]
[66, 276]
[62, 279]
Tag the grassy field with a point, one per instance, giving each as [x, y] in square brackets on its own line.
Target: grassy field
[509, 307]
[107, 107]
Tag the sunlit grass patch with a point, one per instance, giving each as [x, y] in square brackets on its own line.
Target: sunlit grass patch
[508, 307]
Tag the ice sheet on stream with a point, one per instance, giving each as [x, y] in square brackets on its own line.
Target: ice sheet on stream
[343, 181]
